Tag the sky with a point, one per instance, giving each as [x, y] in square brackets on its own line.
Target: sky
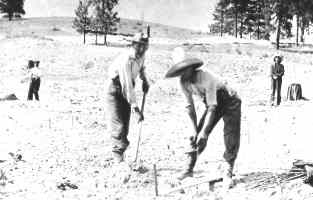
[193, 14]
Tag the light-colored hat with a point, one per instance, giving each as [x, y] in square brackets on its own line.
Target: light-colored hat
[181, 63]
[139, 38]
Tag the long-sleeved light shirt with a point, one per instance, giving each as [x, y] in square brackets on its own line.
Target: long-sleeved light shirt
[204, 84]
[35, 72]
[127, 67]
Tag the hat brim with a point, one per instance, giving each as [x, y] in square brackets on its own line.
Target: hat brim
[179, 68]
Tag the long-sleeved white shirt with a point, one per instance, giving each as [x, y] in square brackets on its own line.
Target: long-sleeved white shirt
[128, 67]
[35, 72]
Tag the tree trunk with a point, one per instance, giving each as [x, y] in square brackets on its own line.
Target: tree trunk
[85, 24]
[10, 14]
[105, 39]
[258, 23]
[241, 26]
[96, 36]
[302, 31]
[84, 36]
[236, 20]
[222, 21]
[258, 31]
[278, 33]
[297, 36]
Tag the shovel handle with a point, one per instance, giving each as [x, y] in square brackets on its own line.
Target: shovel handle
[143, 102]
[139, 133]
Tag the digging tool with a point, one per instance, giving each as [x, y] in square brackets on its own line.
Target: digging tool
[140, 128]
[200, 125]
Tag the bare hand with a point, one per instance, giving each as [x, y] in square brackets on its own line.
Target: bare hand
[145, 86]
[202, 142]
[139, 114]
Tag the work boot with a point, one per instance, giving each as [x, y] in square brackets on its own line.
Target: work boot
[228, 182]
[190, 164]
[118, 157]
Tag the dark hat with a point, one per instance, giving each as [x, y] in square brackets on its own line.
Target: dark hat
[279, 57]
[37, 63]
[30, 64]
[179, 68]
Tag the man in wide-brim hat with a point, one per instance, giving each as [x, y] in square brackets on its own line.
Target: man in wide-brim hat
[277, 72]
[220, 101]
[121, 97]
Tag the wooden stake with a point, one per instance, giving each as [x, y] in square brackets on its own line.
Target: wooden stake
[155, 180]
[49, 123]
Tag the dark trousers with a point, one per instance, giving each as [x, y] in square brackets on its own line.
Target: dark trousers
[33, 89]
[228, 108]
[276, 88]
[118, 115]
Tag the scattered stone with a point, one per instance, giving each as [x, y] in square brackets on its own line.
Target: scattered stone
[10, 97]
[141, 169]
[67, 185]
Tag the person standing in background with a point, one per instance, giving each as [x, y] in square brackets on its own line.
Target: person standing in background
[276, 73]
[35, 78]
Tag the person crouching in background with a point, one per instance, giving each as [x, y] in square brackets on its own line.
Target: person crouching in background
[35, 74]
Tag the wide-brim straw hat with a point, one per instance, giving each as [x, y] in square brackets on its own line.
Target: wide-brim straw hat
[182, 63]
[179, 68]
[139, 38]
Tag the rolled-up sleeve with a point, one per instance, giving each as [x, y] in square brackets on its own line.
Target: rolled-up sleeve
[143, 75]
[187, 94]
[210, 94]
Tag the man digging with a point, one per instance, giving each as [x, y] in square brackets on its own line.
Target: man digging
[220, 102]
[121, 97]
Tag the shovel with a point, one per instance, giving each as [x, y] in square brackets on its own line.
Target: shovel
[140, 128]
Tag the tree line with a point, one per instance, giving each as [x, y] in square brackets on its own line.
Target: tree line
[96, 16]
[258, 18]
[12, 8]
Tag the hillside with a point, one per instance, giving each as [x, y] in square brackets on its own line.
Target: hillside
[63, 26]
[170, 12]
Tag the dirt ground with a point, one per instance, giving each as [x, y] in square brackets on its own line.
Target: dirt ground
[59, 148]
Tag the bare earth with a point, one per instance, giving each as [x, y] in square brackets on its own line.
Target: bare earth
[64, 138]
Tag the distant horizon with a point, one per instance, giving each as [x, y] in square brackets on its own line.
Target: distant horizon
[178, 13]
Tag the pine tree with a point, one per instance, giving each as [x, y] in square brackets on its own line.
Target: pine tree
[302, 9]
[12, 8]
[282, 10]
[82, 20]
[258, 19]
[219, 17]
[105, 17]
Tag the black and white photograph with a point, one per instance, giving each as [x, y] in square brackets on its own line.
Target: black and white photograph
[156, 99]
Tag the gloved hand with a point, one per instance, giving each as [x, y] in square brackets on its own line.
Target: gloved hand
[145, 86]
[139, 114]
[201, 142]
